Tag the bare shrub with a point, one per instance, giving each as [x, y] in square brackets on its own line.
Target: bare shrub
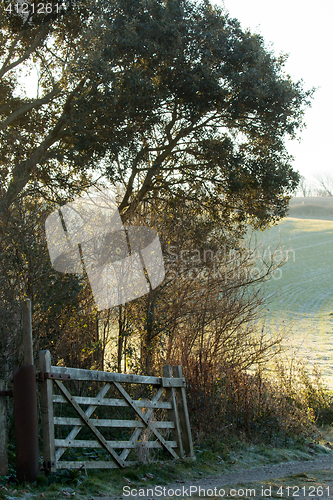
[272, 406]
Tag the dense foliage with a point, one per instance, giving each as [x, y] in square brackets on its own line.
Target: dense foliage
[185, 116]
[158, 96]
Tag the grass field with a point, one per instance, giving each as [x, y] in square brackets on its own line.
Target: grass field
[301, 293]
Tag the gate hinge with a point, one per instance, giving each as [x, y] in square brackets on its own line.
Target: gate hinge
[52, 376]
[47, 466]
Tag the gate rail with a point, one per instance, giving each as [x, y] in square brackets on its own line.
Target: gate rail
[171, 385]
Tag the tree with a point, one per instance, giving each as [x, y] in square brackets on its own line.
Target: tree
[326, 183]
[159, 97]
[304, 189]
[204, 310]
[162, 100]
[30, 127]
[64, 316]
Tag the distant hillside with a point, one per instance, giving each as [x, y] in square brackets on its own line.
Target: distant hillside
[315, 207]
[300, 294]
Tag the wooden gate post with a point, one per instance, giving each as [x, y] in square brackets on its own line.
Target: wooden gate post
[3, 433]
[46, 402]
[28, 355]
[183, 415]
[173, 413]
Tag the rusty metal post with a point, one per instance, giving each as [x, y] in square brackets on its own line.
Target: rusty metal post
[25, 408]
[26, 424]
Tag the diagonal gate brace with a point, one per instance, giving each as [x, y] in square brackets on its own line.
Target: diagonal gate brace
[89, 424]
[136, 434]
[145, 419]
[89, 411]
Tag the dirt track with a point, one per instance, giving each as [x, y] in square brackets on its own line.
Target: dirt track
[309, 476]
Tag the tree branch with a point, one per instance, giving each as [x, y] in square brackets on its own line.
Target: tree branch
[22, 172]
[31, 105]
[25, 56]
[146, 186]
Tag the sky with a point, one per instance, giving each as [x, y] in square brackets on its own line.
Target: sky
[302, 29]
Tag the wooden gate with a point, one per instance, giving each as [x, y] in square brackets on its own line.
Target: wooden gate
[170, 387]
